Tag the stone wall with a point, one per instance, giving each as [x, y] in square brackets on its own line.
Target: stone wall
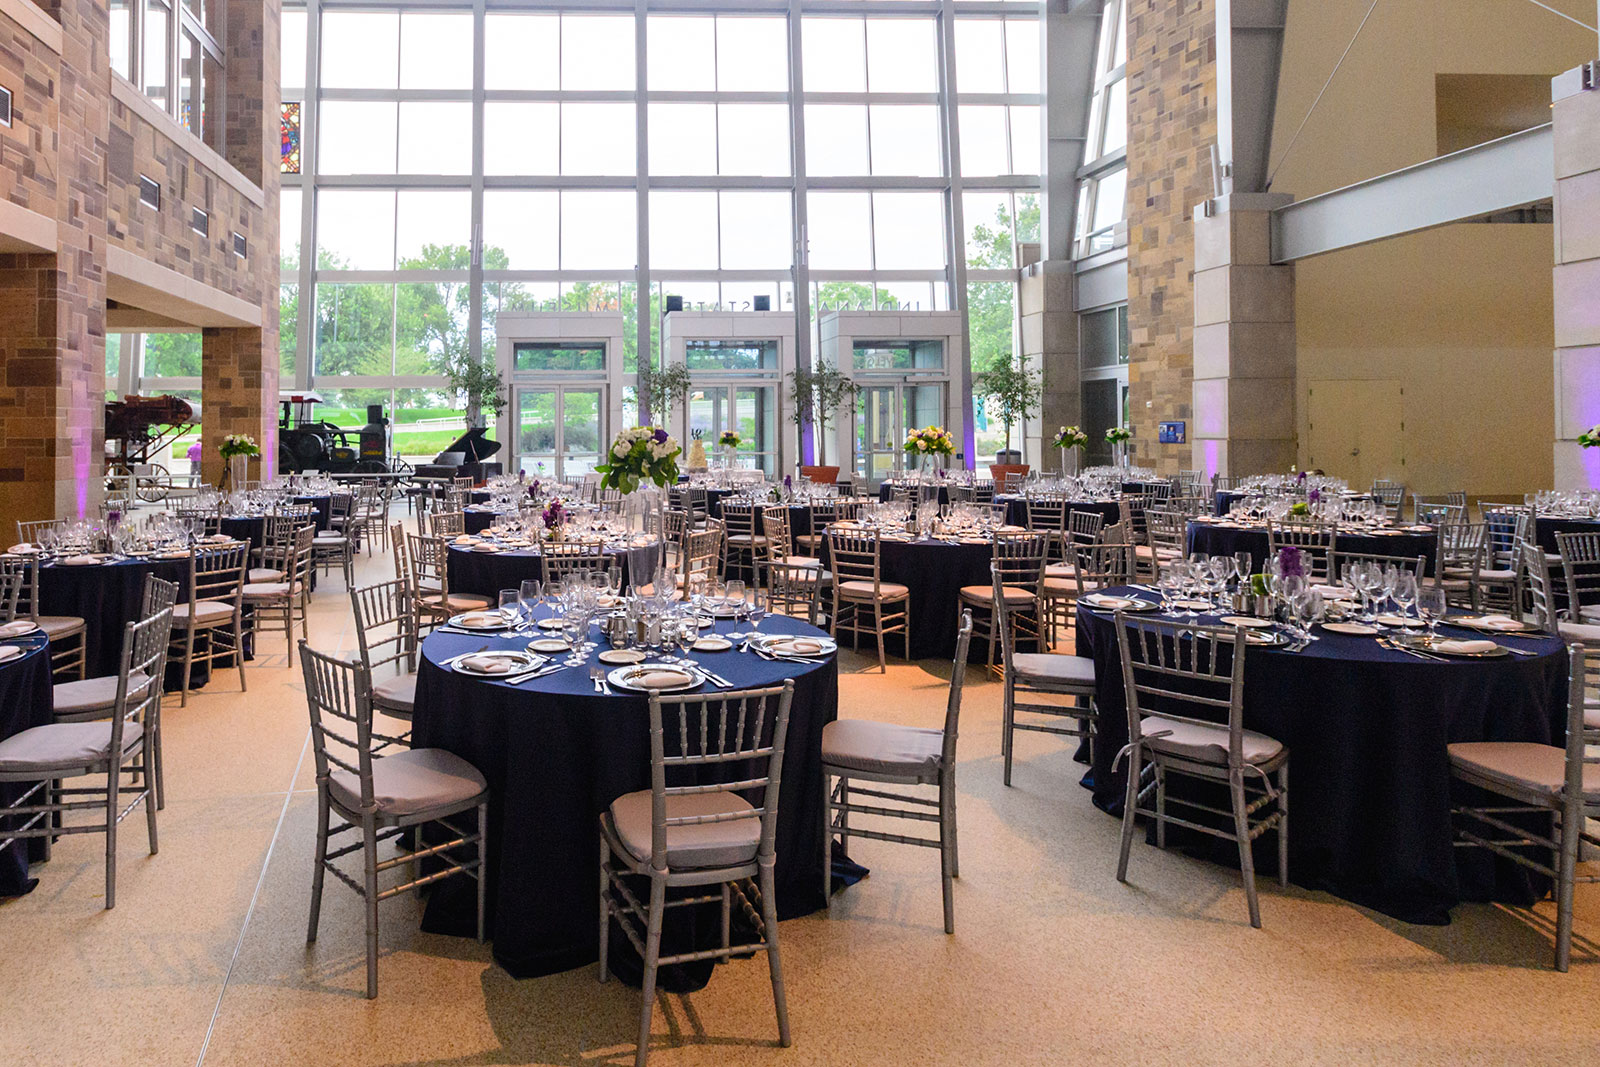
[30, 70]
[1171, 127]
[165, 235]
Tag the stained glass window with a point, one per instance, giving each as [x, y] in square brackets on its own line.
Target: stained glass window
[289, 124]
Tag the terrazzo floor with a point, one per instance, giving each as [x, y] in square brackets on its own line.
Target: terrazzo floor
[204, 959]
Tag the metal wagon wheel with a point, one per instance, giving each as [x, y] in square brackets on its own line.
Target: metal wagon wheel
[155, 485]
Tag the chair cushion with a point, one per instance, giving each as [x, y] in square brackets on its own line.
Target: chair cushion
[412, 782]
[801, 561]
[328, 537]
[1205, 744]
[270, 590]
[886, 590]
[396, 694]
[458, 602]
[1577, 631]
[1054, 668]
[1589, 613]
[63, 745]
[709, 844]
[882, 747]
[1528, 768]
[95, 694]
[1497, 574]
[59, 625]
[984, 594]
[263, 574]
[1060, 570]
[746, 539]
[1145, 551]
[206, 613]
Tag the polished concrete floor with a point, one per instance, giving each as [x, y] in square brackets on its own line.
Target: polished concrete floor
[204, 959]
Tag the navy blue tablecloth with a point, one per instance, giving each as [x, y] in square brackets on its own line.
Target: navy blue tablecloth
[1369, 780]
[886, 493]
[556, 754]
[1017, 509]
[25, 702]
[486, 573]
[1213, 540]
[1545, 530]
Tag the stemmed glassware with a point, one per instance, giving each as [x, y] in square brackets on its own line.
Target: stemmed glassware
[529, 595]
[1432, 605]
[1405, 592]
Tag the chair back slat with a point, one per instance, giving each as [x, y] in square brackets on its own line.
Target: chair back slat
[218, 574]
[854, 555]
[339, 692]
[563, 559]
[1580, 562]
[705, 755]
[157, 594]
[1083, 527]
[1317, 542]
[385, 625]
[1184, 673]
[12, 576]
[1536, 573]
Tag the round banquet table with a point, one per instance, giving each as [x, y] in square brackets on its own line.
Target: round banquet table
[934, 571]
[556, 754]
[477, 518]
[1546, 528]
[486, 573]
[1369, 784]
[25, 701]
[1214, 540]
[1017, 509]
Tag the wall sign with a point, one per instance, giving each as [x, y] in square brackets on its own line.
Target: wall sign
[1172, 433]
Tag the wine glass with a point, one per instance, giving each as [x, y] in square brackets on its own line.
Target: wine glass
[1432, 605]
[1405, 592]
[510, 605]
[573, 625]
[758, 609]
[529, 594]
[1242, 561]
[735, 595]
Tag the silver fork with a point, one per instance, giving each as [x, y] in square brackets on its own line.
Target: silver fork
[597, 676]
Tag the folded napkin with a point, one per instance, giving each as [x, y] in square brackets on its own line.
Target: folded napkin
[8, 652]
[1464, 647]
[487, 664]
[218, 539]
[485, 547]
[661, 679]
[16, 629]
[798, 646]
[23, 549]
[79, 561]
[466, 539]
[1333, 592]
[1112, 602]
[1498, 622]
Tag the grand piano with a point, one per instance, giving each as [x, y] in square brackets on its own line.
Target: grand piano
[467, 457]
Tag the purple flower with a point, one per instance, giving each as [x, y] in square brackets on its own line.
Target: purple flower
[1314, 496]
[788, 482]
[1290, 563]
[1301, 477]
[660, 436]
[535, 488]
[554, 515]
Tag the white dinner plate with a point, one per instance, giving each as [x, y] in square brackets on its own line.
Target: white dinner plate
[1401, 620]
[1249, 622]
[1265, 638]
[9, 652]
[549, 644]
[712, 643]
[1117, 603]
[498, 664]
[481, 620]
[1355, 629]
[1489, 624]
[1194, 605]
[637, 678]
[621, 656]
[799, 646]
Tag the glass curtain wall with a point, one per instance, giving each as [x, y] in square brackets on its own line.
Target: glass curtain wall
[442, 164]
[1102, 194]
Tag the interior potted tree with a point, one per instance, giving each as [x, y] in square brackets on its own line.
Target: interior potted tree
[1011, 393]
[478, 383]
[814, 396]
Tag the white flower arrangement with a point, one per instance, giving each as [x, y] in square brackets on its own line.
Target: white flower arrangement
[1071, 437]
[239, 444]
[1118, 434]
[1589, 438]
[639, 454]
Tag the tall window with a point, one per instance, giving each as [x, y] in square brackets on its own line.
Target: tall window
[410, 223]
[1103, 192]
[175, 60]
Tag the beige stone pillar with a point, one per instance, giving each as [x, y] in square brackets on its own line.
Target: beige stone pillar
[1575, 116]
[239, 367]
[1244, 342]
[1050, 341]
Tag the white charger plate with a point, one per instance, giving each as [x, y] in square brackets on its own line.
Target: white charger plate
[620, 677]
[520, 661]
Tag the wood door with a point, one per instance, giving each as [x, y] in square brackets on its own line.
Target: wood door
[1356, 429]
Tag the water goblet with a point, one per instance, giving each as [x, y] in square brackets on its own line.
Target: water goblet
[735, 596]
[1405, 592]
[1432, 605]
[529, 594]
[510, 605]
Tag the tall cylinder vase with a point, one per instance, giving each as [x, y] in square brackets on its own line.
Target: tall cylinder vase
[238, 472]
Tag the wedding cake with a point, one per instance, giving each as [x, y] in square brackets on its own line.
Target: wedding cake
[697, 455]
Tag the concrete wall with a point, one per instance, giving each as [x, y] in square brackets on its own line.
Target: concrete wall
[1461, 316]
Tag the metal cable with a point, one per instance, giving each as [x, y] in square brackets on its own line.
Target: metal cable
[1342, 56]
[1564, 15]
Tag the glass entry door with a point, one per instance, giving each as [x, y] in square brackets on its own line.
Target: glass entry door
[752, 410]
[560, 429]
[884, 415]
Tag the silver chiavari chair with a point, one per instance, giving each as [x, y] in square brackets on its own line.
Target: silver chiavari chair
[796, 589]
[1179, 680]
[1580, 564]
[1166, 533]
[381, 797]
[1460, 559]
[447, 523]
[1019, 560]
[563, 559]
[68, 634]
[387, 637]
[888, 754]
[429, 560]
[1317, 542]
[10, 590]
[42, 757]
[1540, 780]
[1392, 495]
[859, 589]
[662, 834]
[215, 609]
[1040, 674]
[285, 600]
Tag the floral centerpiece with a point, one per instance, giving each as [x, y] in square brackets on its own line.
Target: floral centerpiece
[930, 441]
[1118, 437]
[555, 519]
[1067, 439]
[730, 439]
[1589, 438]
[237, 448]
[641, 454]
[1300, 507]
